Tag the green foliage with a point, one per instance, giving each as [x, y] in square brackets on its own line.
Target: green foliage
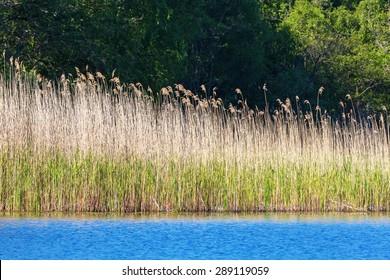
[346, 50]
[54, 183]
[293, 46]
[229, 51]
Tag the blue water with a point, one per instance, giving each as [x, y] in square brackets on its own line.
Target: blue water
[267, 237]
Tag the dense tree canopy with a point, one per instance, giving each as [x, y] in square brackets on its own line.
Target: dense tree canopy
[294, 46]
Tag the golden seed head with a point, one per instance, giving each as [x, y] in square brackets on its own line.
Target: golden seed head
[117, 81]
[321, 90]
[137, 92]
[100, 76]
[180, 87]
[188, 92]
[63, 78]
[215, 91]
[17, 65]
[90, 77]
[204, 104]
[231, 108]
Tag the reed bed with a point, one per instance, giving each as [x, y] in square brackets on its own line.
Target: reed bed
[92, 143]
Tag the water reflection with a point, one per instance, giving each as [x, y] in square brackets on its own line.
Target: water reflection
[274, 216]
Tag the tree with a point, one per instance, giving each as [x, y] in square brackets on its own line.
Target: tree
[345, 50]
[361, 66]
[295, 46]
[229, 51]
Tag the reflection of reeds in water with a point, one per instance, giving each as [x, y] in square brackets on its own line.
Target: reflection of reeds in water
[91, 144]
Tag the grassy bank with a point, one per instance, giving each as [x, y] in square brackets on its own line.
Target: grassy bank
[91, 144]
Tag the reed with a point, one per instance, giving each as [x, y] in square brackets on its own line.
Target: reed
[95, 144]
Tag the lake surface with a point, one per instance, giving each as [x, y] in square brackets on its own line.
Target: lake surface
[196, 237]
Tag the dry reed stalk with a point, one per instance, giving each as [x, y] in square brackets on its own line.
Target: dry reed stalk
[127, 151]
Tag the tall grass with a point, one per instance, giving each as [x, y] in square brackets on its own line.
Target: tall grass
[91, 143]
